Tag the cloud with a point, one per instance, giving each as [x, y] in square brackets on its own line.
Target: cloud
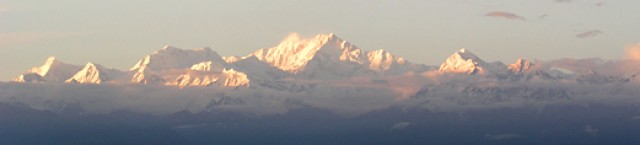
[588, 34]
[506, 15]
[502, 136]
[633, 52]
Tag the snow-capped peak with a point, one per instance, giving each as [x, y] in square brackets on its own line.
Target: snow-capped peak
[167, 48]
[144, 76]
[381, 59]
[521, 66]
[90, 73]
[93, 74]
[461, 50]
[466, 54]
[170, 58]
[174, 58]
[294, 52]
[44, 69]
[207, 66]
[464, 61]
[232, 59]
[51, 60]
[327, 56]
[234, 78]
[224, 77]
[53, 70]
[91, 65]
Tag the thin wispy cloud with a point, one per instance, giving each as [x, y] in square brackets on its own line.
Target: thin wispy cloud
[506, 15]
[588, 34]
[563, 1]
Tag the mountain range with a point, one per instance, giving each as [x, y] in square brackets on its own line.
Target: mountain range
[323, 57]
[324, 72]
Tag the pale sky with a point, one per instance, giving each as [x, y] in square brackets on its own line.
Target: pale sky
[117, 33]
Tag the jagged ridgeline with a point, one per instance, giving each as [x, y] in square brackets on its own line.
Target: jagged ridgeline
[324, 57]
